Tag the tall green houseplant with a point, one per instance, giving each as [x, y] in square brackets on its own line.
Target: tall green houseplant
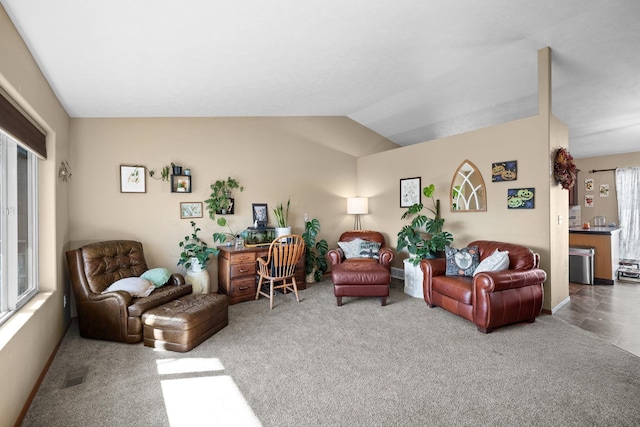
[413, 236]
[316, 251]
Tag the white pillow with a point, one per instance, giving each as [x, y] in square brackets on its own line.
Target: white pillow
[359, 248]
[351, 249]
[136, 286]
[495, 262]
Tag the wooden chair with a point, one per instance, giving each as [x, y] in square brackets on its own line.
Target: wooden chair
[280, 265]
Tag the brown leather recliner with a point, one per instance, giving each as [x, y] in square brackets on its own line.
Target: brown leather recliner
[114, 316]
[489, 299]
[360, 276]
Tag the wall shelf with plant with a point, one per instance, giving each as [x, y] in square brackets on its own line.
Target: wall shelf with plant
[220, 201]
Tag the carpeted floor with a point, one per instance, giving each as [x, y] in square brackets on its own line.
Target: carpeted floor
[316, 364]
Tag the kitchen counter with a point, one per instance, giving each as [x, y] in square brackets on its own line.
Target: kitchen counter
[605, 240]
[595, 230]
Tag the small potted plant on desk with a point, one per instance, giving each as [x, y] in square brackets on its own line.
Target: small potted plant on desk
[282, 219]
[414, 238]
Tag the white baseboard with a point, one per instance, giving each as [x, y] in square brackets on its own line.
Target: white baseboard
[397, 273]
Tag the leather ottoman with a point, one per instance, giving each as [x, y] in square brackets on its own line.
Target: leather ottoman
[369, 279]
[182, 324]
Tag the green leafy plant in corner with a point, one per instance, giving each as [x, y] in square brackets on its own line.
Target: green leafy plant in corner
[194, 247]
[282, 215]
[219, 200]
[316, 251]
[413, 236]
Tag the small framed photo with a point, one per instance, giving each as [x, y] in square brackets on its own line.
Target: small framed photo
[504, 171]
[190, 210]
[133, 179]
[409, 192]
[604, 190]
[588, 200]
[181, 183]
[521, 198]
[260, 214]
[588, 184]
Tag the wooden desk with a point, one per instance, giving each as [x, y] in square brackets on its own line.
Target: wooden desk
[606, 241]
[237, 272]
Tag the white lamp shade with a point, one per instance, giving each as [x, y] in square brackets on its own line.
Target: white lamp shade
[357, 205]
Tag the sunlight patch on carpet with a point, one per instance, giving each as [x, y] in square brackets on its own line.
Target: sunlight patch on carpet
[206, 401]
[187, 365]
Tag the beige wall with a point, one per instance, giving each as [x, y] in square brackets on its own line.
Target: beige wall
[526, 141]
[28, 339]
[606, 206]
[312, 160]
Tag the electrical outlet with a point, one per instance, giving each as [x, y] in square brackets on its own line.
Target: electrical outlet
[64, 301]
[559, 219]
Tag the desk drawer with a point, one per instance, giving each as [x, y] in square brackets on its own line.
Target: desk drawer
[248, 257]
[243, 289]
[247, 269]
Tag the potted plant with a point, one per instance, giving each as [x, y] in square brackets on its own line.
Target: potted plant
[194, 258]
[219, 200]
[423, 238]
[177, 170]
[413, 236]
[282, 219]
[315, 253]
[195, 252]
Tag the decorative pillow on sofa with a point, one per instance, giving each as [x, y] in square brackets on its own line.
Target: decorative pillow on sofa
[359, 248]
[495, 262]
[157, 276]
[136, 286]
[462, 262]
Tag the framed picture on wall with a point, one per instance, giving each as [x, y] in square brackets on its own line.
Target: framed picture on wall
[190, 210]
[133, 179]
[504, 171]
[409, 192]
[521, 198]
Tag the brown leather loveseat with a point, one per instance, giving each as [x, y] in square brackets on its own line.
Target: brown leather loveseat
[114, 316]
[492, 298]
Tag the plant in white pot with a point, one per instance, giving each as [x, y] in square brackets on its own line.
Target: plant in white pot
[282, 219]
[194, 257]
[423, 238]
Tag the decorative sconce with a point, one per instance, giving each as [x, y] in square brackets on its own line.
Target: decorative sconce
[357, 206]
[64, 173]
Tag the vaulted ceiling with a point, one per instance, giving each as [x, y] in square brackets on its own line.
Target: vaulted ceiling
[411, 70]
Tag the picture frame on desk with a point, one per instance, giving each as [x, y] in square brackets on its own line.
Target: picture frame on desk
[260, 214]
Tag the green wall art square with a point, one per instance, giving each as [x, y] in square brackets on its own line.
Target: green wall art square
[521, 198]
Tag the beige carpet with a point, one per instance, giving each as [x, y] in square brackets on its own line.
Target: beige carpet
[316, 364]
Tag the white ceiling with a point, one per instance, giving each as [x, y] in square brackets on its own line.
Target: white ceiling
[411, 70]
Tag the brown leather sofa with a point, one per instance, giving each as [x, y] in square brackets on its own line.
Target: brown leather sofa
[489, 299]
[114, 316]
[359, 276]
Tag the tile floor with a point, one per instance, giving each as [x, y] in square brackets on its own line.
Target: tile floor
[610, 312]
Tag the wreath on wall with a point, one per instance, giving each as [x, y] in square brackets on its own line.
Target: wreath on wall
[563, 169]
